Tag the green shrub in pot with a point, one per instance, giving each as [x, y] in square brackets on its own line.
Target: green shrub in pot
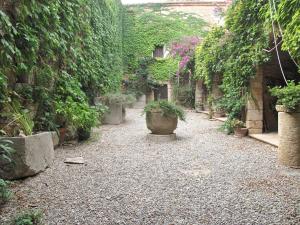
[288, 96]
[162, 117]
[166, 108]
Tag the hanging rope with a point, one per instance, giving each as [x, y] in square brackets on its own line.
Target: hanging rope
[275, 41]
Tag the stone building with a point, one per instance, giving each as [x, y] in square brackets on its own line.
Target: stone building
[261, 115]
[209, 10]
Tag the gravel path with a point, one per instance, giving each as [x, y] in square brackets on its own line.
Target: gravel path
[205, 177]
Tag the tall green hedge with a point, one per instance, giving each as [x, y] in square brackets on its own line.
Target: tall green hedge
[238, 49]
[53, 44]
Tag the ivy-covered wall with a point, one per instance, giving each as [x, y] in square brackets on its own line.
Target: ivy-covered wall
[240, 47]
[64, 51]
[148, 26]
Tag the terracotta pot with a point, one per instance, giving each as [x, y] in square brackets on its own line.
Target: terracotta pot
[289, 136]
[240, 132]
[159, 124]
[62, 135]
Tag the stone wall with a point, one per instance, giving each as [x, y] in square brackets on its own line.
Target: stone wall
[254, 109]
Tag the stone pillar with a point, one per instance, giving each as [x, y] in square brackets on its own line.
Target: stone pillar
[149, 96]
[199, 95]
[289, 136]
[254, 113]
[170, 91]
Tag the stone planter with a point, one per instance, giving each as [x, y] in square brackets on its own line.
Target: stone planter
[289, 136]
[219, 113]
[115, 115]
[161, 125]
[240, 132]
[33, 154]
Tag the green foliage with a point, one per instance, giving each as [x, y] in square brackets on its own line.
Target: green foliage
[77, 114]
[146, 27]
[20, 117]
[229, 125]
[235, 51]
[42, 41]
[6, 150]
[119, 98]
[288, 96]
[184, 95]
[209, 56]
[32, 217]
[5, 156]
[163, 69]
[289, 18]
[5, 193]
[166, 108]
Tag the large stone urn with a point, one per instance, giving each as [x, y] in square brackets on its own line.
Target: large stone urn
[161, 124]
[289, 136]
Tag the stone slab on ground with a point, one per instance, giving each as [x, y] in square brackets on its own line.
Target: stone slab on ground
[269, 138]
[75, 160]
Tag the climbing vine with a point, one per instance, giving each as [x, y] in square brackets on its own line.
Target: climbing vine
[148, 27]
[49, 45]
[209, 56]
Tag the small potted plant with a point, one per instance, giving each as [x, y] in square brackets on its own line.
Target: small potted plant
[288, 107]
[239, 128]
[162, 117]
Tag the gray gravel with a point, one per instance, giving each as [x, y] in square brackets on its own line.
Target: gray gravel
[205, 177]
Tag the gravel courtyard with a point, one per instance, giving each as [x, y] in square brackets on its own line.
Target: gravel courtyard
[205, 177]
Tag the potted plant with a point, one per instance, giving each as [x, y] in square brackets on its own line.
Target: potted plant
[162, 117]
[288, 107]
[239, 128]
[116, 103]
[78, 115]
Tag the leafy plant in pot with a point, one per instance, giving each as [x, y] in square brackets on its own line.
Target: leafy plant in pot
[162, 117]
[288, 107]
[239, 128]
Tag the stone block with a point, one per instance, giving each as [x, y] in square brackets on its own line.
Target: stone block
[33, 154]
[254, 104]
[255, 131]
[254, 115]
[254, 124]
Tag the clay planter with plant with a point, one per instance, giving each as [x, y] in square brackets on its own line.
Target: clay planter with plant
[162, 117]
[239, 128]
[288, 107]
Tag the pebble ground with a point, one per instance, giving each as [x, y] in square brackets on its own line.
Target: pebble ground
[205, 177]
